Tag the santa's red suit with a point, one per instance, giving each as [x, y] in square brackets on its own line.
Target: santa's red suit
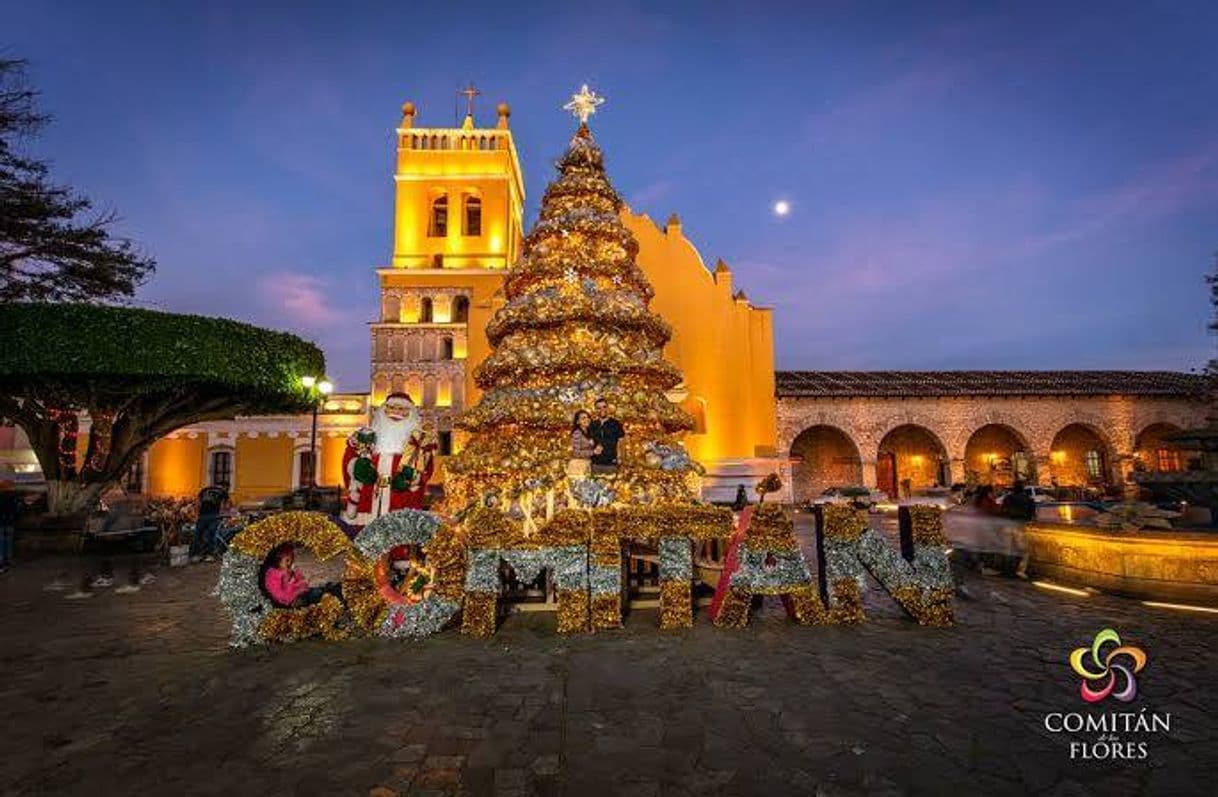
[378, 482]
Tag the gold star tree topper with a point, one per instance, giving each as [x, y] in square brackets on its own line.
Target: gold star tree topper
[583, 104]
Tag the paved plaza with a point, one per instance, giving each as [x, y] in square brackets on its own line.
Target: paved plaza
[139, 694]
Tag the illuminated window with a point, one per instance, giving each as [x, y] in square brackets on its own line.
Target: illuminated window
[1168, 459]
[446, 348]
[473, 216]
[1095, 464]
[222, 469]
[304, 467]
[425, 314]
[439, 217]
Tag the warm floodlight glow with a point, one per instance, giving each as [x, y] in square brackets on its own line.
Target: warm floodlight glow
[782, 207]
[1082, 593]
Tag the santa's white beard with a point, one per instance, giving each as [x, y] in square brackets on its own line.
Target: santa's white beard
[391, 435]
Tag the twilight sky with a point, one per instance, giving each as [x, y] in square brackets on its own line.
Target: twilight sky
[1023, 187]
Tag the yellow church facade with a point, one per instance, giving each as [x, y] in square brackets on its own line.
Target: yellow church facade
[458, 227]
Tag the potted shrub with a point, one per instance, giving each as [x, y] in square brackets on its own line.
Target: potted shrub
[171, 515]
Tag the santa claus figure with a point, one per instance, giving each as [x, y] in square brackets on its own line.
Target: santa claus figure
[387, 465]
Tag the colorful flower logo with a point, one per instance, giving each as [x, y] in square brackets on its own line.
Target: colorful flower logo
[1125, 660]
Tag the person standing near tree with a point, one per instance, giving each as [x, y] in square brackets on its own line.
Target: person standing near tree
[606, 431]
[583, 447]
[10, 506]
[742, 499]
[211, 502]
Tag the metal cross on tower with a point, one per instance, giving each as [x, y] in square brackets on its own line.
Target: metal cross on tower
[469, 92]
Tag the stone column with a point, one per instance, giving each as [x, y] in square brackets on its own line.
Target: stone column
[869, 480]
[1042, 464]
[957, 470]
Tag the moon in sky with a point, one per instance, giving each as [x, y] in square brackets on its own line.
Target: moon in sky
[782, 207]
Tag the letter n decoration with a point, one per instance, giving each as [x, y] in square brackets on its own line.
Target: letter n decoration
[921, 580]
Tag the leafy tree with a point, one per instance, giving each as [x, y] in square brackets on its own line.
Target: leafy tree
[134, 376]
[52, 247]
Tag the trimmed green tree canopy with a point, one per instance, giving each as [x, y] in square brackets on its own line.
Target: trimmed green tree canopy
[138, 375]
[93, 355]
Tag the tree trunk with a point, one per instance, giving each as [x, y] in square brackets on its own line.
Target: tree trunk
[73, 498]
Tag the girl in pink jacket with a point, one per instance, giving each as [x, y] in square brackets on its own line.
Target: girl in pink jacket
[289, 589]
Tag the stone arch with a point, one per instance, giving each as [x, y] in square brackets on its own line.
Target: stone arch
[380, 388]
[1152, 453]
[391, 307]
[1081, 455]
[998, 454]
[414, 388]
[823, 456]
[461, 309]
[910, 458]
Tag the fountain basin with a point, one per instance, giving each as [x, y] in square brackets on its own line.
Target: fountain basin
[1155, 565]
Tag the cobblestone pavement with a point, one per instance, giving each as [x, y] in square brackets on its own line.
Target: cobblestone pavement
[138, 694]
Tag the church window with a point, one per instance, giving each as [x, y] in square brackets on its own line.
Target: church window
[461, 310]
[473, 215]
[446, 348]
[304, 467]
[439, 217]
[425, 314]
[446, 443]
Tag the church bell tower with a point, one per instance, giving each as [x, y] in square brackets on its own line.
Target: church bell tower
[458, 227]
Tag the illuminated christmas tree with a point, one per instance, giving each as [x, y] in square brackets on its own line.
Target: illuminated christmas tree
[576, 328]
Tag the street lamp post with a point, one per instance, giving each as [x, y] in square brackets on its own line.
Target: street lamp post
[318, 390]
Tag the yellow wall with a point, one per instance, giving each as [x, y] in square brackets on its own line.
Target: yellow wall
[263, 467]
[724, 346]
[458, 162]
[177, 466]
[330, 457]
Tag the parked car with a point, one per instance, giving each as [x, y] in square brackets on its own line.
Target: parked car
[858, 497]
[1038, 494]
[943, 500]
